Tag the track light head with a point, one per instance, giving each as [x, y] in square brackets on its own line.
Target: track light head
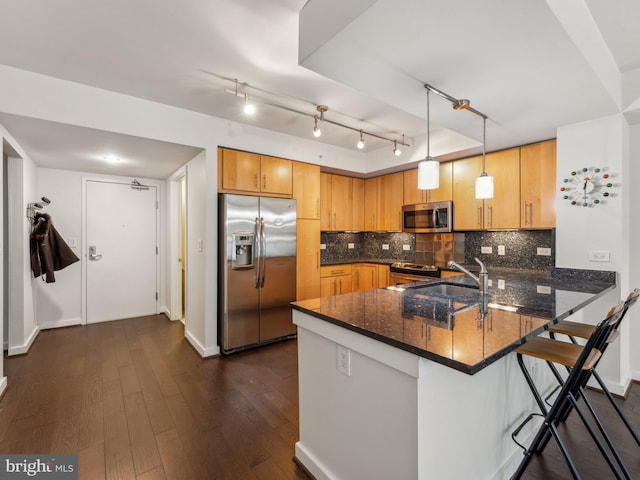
[249, 108]
[396, 151]
[360, 143]
[316, 130]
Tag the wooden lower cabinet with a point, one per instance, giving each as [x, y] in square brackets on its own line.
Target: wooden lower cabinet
[383, 276]
[307, 259]
[335, 280]
[364, 277]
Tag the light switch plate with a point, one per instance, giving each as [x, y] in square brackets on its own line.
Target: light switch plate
[344, 360]
[501, 250]
[545, 251]
[599, 255]
[544, 289]
[351, 245]
[501, 284]
[323, 246]
[486, 249]
[406, 247]
[385, 246]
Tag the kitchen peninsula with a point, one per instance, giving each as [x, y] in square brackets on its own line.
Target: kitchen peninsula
[418, 381]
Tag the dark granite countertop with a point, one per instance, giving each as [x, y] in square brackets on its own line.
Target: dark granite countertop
[453, 331]
[382, 261]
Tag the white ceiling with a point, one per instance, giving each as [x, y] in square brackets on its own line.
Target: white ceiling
[513, 60]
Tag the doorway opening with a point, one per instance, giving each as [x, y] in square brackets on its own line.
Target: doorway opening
[183, 244]
[178, 274]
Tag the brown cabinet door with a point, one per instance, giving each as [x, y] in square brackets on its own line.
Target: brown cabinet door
[390, 198]
[467, 211]
[240, 171]
[370, 204]
[341, 193]
[307, 259]
[335, 285]
[276, 176]
[411, 193]
[306, 189]
[503, 210]
[383, 276]
[364, 277]
[538, 185]
[358, 205]
[445, 191]
[326, 213]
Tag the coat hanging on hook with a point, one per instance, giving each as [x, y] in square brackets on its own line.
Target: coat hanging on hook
[49, 251]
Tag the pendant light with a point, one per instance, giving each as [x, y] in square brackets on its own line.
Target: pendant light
[428, 169]
[484, 183]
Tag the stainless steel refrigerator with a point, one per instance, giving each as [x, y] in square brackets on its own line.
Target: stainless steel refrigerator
[257, 270]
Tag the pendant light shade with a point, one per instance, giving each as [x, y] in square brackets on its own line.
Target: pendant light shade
[484, 183]
[428, 174]
[484, 186]
[428, 169]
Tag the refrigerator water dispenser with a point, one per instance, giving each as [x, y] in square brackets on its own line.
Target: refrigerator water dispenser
[242, 250]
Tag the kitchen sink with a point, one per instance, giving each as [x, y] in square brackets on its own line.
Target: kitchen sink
[447, 289]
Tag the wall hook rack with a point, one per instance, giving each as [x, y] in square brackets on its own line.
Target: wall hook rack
[35, 206]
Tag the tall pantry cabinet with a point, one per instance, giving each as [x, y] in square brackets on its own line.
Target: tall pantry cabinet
[306, 191]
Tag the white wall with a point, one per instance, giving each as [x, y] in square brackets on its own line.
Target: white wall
[634, 250]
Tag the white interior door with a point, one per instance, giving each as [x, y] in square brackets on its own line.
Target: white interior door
[120, 251]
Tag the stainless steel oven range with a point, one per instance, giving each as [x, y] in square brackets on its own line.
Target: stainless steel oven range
[402, 272]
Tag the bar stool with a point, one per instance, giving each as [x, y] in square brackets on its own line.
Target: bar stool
[584, 331]
[580, 360]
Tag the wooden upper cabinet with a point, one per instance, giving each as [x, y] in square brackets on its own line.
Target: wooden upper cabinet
[357, 221]
[443, 193]
[240, 171]
[370, 204]
[390, 199]
[467, 211]
[276, 175]
[256, 174]
[538, 185]
[503, 210]
[411, 193]
[306, 189]
[335, 202]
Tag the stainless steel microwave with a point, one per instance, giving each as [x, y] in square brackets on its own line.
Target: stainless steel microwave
[435, 217]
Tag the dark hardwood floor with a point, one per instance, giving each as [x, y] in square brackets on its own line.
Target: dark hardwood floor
[135, 401]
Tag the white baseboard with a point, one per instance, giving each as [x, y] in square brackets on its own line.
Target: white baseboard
[198, 347]
[20, 349]
[635, 375]
[309, 461]
[3, 385]
[60, 323]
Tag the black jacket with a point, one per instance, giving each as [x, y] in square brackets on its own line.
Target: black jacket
[49, 251]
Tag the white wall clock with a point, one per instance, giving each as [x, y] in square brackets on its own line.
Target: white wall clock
[587, 187]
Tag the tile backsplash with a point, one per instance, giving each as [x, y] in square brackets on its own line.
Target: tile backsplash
[520, 247]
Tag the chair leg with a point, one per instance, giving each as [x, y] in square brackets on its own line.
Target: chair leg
[615, 405]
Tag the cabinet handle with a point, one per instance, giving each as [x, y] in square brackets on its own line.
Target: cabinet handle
[318, 260]
[372, 279]
[357, 280]
[400, 220]
[491, 216]
[340, 286]
[480, 216]
[526, 205]
[531, 214]
[335, 282]
[256, 180]
[318, 208]
[264, 181]
[335, 224]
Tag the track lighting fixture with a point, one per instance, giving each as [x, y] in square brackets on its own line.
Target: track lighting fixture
[316, 131]
[484, 183]
[428, 169]
[396, 151]
[249, 108]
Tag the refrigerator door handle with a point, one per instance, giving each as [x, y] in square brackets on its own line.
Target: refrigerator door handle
[263, 251]
[256, 271]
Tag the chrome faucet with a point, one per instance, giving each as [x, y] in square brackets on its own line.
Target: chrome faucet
[482, 279]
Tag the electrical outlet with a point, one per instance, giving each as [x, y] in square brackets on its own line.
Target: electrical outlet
[351, 245]
[406, 247]
[323, 246]
[544, 289]
[486, 249]
[501, 284]
[501, 250]
[545, 251]
[599, 255]
[344, 360]
[489, 282]
[385, 246]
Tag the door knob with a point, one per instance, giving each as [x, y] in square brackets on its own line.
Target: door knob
[92, 254]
